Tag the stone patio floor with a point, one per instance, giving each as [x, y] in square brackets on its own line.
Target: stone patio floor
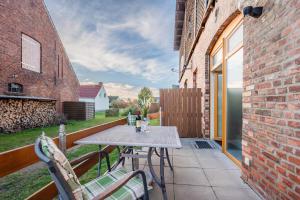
[200, 174]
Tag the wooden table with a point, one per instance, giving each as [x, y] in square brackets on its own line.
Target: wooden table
[162, 137]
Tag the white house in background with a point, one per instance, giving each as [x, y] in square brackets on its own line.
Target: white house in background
[94, 93]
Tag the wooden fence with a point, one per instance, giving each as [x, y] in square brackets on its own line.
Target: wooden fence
[182, 108]
[16, 159]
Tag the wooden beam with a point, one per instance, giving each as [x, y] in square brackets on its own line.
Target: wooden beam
[16, 159]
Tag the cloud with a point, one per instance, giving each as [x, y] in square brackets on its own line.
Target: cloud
[123, 90]
[91, 40]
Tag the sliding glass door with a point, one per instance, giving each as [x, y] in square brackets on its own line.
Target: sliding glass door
[228, 89]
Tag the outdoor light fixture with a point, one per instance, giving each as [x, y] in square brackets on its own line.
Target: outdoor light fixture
[253, 11]
[174, 70]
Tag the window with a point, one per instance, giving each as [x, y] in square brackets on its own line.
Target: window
[31, 54]
[217, 58]
[236, 39]
[195, 79]
[185, 83]
[227, 73]
[190, 27]
[206, 2]
[104, 95]
[181, 63]
[15, 87]
[58, 66]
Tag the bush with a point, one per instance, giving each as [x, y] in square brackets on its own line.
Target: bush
[131, 109]
[60, 119]
[112, 112]
[119, 103]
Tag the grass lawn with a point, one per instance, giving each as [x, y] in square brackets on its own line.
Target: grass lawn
[18, 139]
[154, 122]
[21, 184]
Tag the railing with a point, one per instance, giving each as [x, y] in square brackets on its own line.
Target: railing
[16, 159]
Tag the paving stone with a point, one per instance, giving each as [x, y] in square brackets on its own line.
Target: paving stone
[190, 192]
[190, 176]
[225, 178]
[223, 193]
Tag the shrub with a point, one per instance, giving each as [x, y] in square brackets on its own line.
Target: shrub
[112, 112]
[60, 119]
[131, 109]
[119, 103]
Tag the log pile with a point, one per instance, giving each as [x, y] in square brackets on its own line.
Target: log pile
[19, 114]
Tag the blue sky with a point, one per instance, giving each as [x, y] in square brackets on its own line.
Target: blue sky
[126, 44]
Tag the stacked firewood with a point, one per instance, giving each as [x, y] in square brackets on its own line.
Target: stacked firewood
[19, 114]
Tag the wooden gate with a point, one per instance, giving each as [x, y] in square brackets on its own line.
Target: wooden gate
[182, 108]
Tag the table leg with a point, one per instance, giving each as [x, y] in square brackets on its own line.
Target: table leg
[160, 181]
[167, 156]
[168, 159]
[162, 174]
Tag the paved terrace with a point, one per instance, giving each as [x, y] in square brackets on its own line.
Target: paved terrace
[200, 174]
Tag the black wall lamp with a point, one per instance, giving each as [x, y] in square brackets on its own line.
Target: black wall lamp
[253, 11]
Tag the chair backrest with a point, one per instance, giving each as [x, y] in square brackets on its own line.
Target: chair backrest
[60, 170]
[131, 120]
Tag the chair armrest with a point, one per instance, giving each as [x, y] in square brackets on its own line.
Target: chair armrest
[117, 185]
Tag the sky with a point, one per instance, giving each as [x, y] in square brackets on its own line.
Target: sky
[127, 44]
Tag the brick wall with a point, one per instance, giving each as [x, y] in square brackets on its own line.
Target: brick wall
[271, 103]
[271, 98]
[199, 62]
[57, 79]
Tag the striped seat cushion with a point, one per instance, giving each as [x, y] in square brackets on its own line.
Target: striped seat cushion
[132, 190]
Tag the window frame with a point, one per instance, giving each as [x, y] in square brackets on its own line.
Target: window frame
[222, 42]
[33, 38]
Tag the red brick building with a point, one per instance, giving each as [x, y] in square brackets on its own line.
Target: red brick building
[33, 61]
[249, 71]
[32, 54]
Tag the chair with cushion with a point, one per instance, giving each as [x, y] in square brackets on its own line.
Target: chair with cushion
[131, 120]
[117, 184]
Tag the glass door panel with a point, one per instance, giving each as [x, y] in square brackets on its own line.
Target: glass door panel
[220, 102]
[234, 91]
[235, 39]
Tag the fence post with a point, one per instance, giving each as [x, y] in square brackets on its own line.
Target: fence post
[62, 138]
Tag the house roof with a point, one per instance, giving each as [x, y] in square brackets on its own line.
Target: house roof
[179, 18]
[90, 91]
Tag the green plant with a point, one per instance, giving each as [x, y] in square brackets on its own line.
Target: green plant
[145, 98]
[112, 112]
[119, 103]
[132, 109]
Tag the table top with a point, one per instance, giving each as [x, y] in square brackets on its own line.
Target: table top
[123, 135]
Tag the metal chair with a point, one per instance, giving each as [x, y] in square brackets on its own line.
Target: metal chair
[65, 191]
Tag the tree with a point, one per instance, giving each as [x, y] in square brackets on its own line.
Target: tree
[145, 98]
[119, 103]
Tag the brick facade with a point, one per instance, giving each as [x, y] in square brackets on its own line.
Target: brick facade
[271, 103]
[271, 80]
[199, 61]
[57, 79]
